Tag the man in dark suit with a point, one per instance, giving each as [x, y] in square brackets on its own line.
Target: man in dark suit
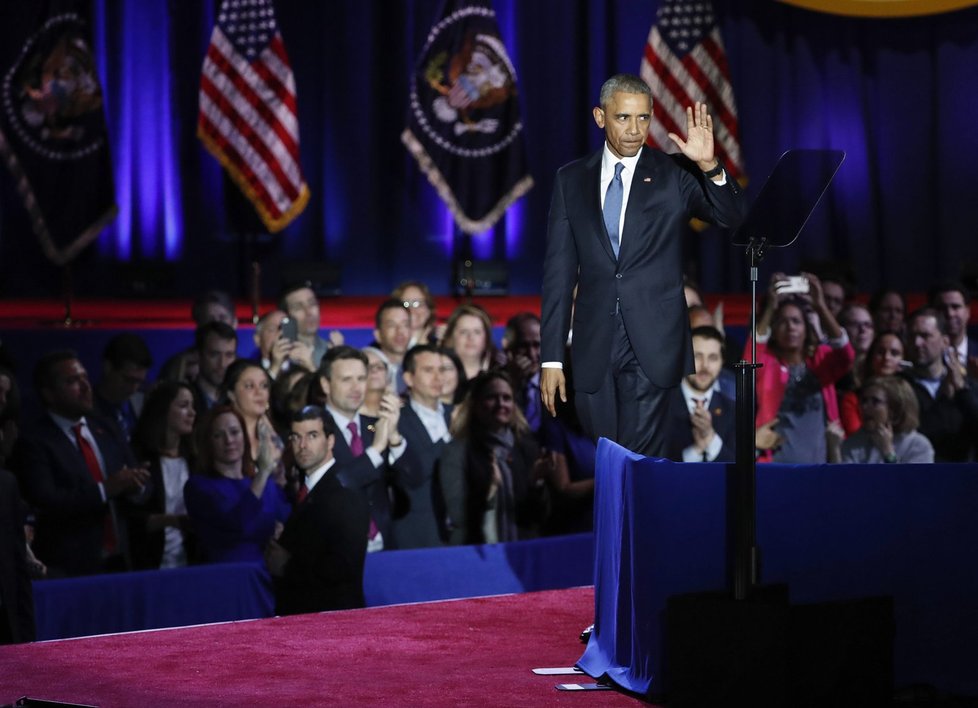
[424, 424]
[954, 300]
[317, 563]
[616, 227]
[73, 468]
[372, 455]
[703, 423]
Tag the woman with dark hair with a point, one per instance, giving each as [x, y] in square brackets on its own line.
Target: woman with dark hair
[796, 398]
[248, 387]
[890, 420]
[417, 299]
[159, 530]
[489, 474]
[232, 506]
[452, 374]
[883, 358]
[888, 308]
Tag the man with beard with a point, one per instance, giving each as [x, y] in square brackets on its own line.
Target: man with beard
[703, 425]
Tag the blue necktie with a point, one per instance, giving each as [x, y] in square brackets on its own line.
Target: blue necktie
[612, 207]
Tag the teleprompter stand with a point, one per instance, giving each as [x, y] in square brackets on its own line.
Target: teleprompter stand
[749, 645]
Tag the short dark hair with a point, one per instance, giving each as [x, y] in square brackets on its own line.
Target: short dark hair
[127, 348]
[44, 368]
[222, 330]
[234, 371]
[388, 304]
[928, 312]
[413, 352]
[210, 297]
[290, 288]
[948, 286]
[514, 326]
[710, 332]
[314, 412]
[343, 351]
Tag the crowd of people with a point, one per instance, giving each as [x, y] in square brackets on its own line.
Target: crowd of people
[312, 453]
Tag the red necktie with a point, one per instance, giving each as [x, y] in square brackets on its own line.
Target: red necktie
[356, 447]
[95, 469]
[303, 493]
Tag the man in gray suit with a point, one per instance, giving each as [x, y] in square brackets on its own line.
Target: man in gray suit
[616, 228]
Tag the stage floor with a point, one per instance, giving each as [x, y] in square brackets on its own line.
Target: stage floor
[476, 652]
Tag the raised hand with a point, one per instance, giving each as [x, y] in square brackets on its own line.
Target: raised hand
[698, 145]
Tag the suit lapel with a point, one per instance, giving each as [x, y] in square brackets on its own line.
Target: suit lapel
[592, 195]
[643, 183]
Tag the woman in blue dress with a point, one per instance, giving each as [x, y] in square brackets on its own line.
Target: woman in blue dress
[233, 507]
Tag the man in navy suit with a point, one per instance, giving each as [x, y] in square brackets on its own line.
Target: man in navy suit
[317, 563]
[424, 423]
[372, 455]
[954, 300]
[703, 424]
[73, 468]
[616, 228]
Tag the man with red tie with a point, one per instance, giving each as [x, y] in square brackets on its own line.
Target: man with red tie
[317, 563]
[73, 467]
[373, 456]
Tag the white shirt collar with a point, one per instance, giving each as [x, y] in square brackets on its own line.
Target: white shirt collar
[609, 159]
[312, 478]
[690, 395]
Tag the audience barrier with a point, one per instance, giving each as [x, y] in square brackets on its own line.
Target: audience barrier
[122, 602]
[831, 532]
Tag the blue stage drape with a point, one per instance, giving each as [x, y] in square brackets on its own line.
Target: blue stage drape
[898, 95]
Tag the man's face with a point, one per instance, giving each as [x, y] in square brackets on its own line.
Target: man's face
[394, 334]
[215, 358]
[427, 381]
[268, 332]
[890, 313]
[835, 296]
[311, 447]
[346, 385]
[69, 392]
[118, 384]
[625, 121]
[859, 327]
[303, 306]
[925, 342]
[708, 356]
[528, 342]
[956, 312]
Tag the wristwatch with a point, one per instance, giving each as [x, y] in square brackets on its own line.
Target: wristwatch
[715, 172]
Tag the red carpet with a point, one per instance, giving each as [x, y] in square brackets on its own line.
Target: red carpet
[454, 653]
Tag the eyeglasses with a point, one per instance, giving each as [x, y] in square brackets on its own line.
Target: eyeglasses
[377, 366]
[413, 304]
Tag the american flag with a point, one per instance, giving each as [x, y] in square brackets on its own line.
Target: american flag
[248, 118]
[685, 62]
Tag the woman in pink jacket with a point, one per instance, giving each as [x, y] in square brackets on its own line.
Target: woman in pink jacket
[804, 352]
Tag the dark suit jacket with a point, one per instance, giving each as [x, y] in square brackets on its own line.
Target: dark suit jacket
[70, 510]
[16, 594]
[418, 528]
[722, 409]
[382, 487]
[326, 536]
[647, 278]
[146, 547]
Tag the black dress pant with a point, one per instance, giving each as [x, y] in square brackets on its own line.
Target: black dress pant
[627, 408]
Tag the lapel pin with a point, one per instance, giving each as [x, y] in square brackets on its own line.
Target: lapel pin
[647, 179]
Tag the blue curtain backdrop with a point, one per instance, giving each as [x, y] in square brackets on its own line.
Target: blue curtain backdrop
[899, 96]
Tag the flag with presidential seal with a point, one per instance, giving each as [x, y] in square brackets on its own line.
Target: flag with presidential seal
[464, 126]
[53, 137]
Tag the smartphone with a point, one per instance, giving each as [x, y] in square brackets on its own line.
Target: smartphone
[794, 284]
[392, 378]
[289, 329]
